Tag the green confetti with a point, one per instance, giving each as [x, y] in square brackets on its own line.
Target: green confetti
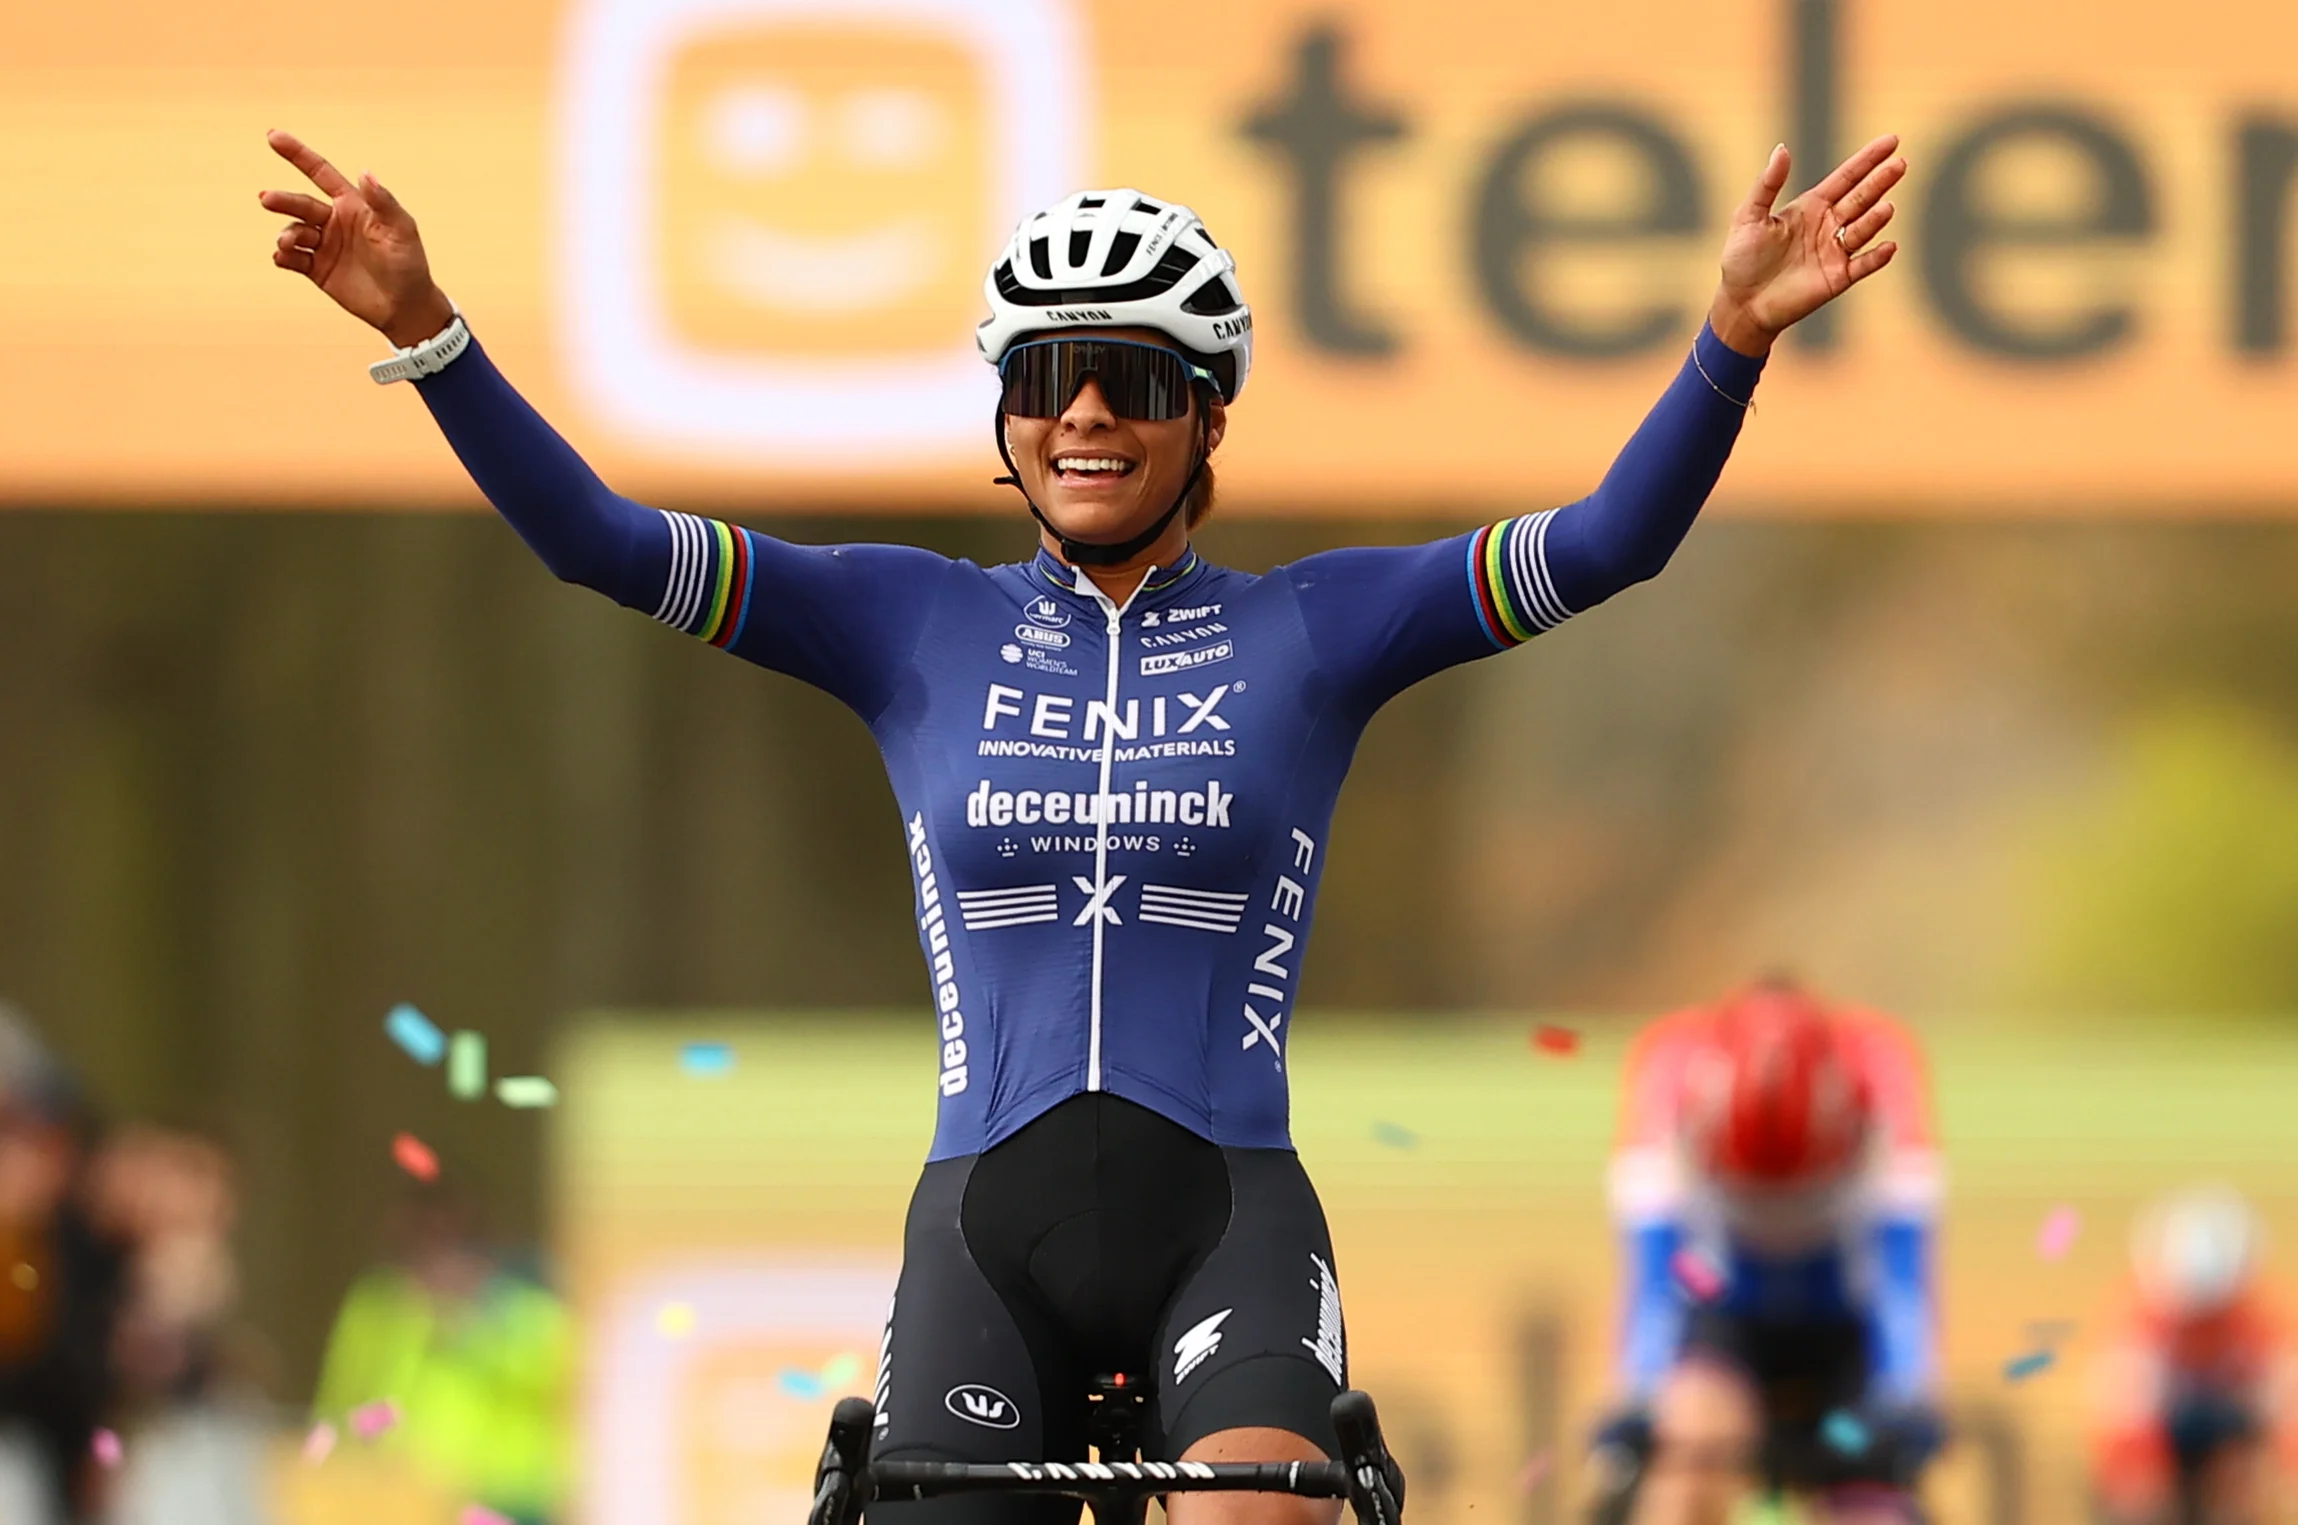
[526, 1091]
[467, 1066]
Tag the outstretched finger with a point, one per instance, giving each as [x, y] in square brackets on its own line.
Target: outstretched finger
[1858, 232]
[1765, 192]
[1867, 261]
[307, 159]
[296, 205]
[1854, 169]
[1870, 190]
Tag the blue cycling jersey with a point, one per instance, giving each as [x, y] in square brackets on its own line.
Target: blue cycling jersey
[1116, 815]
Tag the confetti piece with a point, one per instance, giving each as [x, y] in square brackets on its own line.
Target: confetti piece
[1394, 1136]
[370, 1420]
[415, 1157]
[707, 1061]
[526, 1091]
[797, 1383]
[841, 1370]
[1844, 1433]
[1697, 1275]
[1560, 1041]
[105, 1444]
[416, 1034]
[1529, 1476]
[674, 1321]
[319, 1444]
[480, 1514]
[2057, 1235]
[467, 1066]
[2023, 1367]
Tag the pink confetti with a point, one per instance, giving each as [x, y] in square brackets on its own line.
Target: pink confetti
[371, 1419]
[480, 1514]
[106, 1445]
[415, 1157]
[1697, 1276]
[2057, 1235]
[319, 1444]
[1528, 1478]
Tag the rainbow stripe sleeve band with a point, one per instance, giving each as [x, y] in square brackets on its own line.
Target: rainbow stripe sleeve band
[708, 591]
[1508, 576]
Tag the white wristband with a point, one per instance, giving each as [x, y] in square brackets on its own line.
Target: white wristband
[429, 358]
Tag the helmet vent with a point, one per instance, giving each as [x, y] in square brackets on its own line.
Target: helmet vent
[1041, 258]
[1079, 242]
[1120, 253]
[1213, 299]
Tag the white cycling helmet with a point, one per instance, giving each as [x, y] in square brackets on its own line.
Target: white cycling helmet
[2193, 1252]
[1119, 259]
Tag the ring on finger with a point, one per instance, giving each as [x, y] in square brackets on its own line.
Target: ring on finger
[1842, 232]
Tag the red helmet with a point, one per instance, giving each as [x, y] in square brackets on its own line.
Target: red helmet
[1773, 1099]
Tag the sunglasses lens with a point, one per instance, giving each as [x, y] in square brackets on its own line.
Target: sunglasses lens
[1142, 382]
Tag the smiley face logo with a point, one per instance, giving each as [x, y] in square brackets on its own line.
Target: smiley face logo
[778, 213]
[823, 192]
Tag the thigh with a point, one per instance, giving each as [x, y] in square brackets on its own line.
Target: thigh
[1253, 1338]
[964, 1376]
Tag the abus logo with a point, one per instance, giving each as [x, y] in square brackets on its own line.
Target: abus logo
[1036, 637]
[985, 1406]
[1182, 661]
[1044, 611]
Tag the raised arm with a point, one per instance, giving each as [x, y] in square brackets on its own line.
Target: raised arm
[1780, 264]
[793, 608]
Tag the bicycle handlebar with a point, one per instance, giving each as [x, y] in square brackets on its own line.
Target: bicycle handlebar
[1115, 1479]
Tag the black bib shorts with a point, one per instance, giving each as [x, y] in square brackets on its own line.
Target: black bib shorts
[1103, 1238]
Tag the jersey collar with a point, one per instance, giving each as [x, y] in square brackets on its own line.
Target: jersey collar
[1055, 572]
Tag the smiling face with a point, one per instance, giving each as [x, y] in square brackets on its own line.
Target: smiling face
[1103, 478]
[821, 190]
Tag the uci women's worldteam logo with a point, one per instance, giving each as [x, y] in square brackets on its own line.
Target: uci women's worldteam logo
[777, 212]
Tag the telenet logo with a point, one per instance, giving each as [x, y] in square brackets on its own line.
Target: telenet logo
[778, 212]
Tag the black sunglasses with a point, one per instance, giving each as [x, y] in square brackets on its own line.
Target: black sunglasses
[1146, 383]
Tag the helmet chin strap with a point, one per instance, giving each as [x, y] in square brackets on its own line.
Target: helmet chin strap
[1091, 553]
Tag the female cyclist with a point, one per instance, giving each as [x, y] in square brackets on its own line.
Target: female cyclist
[1115, 764]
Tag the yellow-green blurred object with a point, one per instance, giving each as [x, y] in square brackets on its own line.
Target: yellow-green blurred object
[467, 1066]
[482, 1386]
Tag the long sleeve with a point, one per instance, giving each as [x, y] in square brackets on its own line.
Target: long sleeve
[845, 618]
[1902, 1318]
[1383, 618]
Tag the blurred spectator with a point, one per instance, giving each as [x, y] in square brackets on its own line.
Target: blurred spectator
[474, 1358]
[61, 1285]
[2193, 1421]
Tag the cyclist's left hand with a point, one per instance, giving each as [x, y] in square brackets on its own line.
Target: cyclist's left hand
[1783, 263]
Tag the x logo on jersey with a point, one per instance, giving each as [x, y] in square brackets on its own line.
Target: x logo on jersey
[1097, 900]
[1264, 1030]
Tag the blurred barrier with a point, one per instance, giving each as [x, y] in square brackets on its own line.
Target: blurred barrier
[734, 246]
[731, 1239]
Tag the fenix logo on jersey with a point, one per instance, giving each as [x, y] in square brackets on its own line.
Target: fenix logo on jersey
[1047, 612]
[1182, 661]
[1139, 806]
[1056, 717]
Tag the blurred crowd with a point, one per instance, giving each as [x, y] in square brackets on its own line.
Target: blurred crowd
[128, 1395]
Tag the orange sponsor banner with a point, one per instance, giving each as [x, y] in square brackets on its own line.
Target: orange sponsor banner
[733, 247]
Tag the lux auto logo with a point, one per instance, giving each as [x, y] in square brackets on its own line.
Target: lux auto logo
[985, 1406]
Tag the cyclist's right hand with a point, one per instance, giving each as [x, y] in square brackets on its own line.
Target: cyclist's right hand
[359, 246]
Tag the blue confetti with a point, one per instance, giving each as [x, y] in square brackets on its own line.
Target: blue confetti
[1394, 1136]
[415, 1034]
[707, 1060]
[1844, 1433]
[798, 1383]
[2027, 1365]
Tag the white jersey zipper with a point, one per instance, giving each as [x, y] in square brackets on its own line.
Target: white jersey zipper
[1098, 898]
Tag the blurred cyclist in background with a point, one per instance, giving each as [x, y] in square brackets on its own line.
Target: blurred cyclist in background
[2194, 1423]
[1776, 1185]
